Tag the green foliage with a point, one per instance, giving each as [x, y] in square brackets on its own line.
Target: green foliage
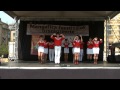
[3, 49]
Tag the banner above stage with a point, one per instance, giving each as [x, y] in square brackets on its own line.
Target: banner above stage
[48, 29]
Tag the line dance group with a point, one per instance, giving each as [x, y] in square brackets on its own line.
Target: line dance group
[54, 47]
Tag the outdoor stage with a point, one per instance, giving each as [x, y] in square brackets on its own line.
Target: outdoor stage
[35, 70]
[29, 69]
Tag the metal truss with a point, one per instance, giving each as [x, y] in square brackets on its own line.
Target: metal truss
[16, 38]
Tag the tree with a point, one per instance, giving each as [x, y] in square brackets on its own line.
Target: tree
[4, 50]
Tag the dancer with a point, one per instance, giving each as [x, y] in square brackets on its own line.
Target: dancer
[96, 48]
[77, 43]
[66, 49]
[81, 51]
[51, 51]
[89, 49]
[41, 49]
[58, 43]
[45, 50]
[73, 46]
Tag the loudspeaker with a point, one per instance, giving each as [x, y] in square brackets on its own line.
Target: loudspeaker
[111, 58]
[117, 58]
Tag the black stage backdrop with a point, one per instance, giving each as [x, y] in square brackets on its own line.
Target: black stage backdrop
[96, 28]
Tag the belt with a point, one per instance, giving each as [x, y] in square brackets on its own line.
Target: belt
[41, 46]
[77, 47]
[95, 47]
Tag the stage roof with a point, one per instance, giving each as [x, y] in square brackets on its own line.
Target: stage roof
[62, 15]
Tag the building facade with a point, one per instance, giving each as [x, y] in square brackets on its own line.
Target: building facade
[4, 33]
[12, 32]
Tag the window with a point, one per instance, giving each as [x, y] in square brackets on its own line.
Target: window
[109, 27]
[14, 40]
[13, 34]
[109, 32]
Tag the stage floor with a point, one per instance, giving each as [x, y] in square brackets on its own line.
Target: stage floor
[35, 70]
[36, 64]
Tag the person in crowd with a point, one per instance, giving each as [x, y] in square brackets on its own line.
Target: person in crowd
[51, 51]
[96, 48]
[57, 42]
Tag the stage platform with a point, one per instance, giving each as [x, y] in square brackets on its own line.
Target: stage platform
[36, 64]
[35, 70]
[51, 65]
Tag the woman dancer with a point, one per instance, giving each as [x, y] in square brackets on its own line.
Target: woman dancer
[40, 49]
[89, 49]
[96, 48]
[45, 50]
[76, 51]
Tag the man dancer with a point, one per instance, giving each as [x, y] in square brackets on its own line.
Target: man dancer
[81, 52]
[57, 43]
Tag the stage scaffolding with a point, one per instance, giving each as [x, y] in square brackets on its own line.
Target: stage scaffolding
[112, 36]
[17, 22]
